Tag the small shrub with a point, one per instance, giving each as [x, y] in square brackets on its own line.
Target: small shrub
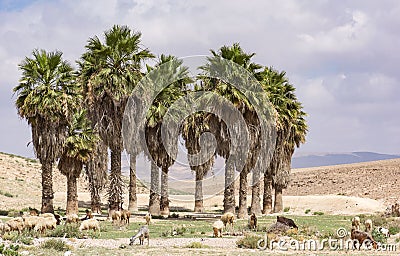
[3, 212]
[11, 250]
[55, 244]
[174, 215]
[181, 230]
[318, 213]
[286, 209]
[249, 241]
[307, 211]
[394, 230]
[397, 240]
[203, 232]
[378, 236]
[197, 245]
[13, 213]
[69, 231]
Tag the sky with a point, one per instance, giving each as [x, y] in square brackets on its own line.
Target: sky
[342, 56]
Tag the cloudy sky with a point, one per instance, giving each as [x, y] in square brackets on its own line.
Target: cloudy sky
[342, 56]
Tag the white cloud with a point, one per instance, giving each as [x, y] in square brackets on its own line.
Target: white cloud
[341, 55]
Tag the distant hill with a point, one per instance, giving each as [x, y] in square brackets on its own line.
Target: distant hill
[315, 160]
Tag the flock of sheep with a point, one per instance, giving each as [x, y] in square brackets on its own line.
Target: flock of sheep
[46, 221]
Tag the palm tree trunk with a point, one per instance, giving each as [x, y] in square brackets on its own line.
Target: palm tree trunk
[267, 201]
[164, 201]
[95, 203]
[242, 212]
[47, 187]
[154, 200]
[198, 193]
[229, 192]
[278, 203]
[115, 189]
[255, 193]
[72, 195]
[132, 184]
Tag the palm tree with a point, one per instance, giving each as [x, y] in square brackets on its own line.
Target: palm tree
[96, 173]
[194, 126]
[78, 148]
[168, 66]
[46, 95]
[109, 72]
[291, 132]
[235, 54]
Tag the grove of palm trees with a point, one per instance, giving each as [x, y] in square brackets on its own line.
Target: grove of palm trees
[79, 122]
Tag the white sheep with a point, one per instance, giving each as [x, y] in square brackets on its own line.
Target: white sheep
[148, 218]
[15, 224]
[217, 228]
[31, 221]
[72, 218]
[89, 224]
[46, 215]
[368, 225]
[228, 219]
[355, 223]
[45, 223]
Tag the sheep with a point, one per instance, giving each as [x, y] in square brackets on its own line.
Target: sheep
[125, 215]
[355, 223]
[15, 224]
[148, 218]
[253, 221]
[368, 225]
[361, 238]
[141, 234]
[228, 218]
[288, 222]
[217, 228]
[31, 221]
[46, 222]
[72, 218]
[116, 216]
[90, 224]
[384, 231]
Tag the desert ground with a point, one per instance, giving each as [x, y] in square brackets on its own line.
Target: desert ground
[348, 190]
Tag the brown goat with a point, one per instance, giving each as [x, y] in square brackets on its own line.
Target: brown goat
[125, 215]
[253, 221]
[286, 221]
[362, 237]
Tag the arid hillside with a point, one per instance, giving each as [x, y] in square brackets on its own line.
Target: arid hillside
[378, 180]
